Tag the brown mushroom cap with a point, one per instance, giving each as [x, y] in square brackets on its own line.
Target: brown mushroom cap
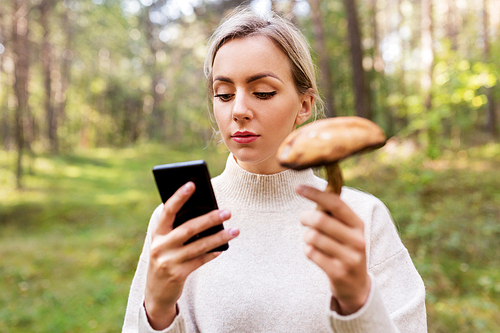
[328, 141]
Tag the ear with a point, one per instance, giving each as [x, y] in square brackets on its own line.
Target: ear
[306, 106]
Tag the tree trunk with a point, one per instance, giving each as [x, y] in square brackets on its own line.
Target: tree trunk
[158, 114]
[21, 72]
[427, 53]
[378, 62]
[326, 82]
[4, 111]
[67, 56]
[47, 64]
[491, 122]
[402, 75]
[452, 24]
[379, 88]
[157, 121]
[361, 92]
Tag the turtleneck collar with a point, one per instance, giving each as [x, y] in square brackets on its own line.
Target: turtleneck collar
[262, 192]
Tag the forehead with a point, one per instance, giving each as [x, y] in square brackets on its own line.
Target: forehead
[251, 55]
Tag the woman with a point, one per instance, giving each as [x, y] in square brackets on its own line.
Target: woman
[289, 268]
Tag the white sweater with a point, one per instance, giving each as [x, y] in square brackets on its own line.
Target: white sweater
[265, 283]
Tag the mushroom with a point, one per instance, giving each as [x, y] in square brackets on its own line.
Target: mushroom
[325, 142]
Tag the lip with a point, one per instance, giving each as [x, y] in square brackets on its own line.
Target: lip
[244, 137]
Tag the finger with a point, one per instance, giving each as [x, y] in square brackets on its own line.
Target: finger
[328, 264]
[333, 228]
[202, 246]
[172, 206]
[180, 235]
[199, 261]
[336, 267]
[345, 275]
[331, 203]
[327, 245]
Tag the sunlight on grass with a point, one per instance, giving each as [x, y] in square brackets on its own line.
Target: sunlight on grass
[448, 213]
[123, 198]
[71, 238]
[471, 314]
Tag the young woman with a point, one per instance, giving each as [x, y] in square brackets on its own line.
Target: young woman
[289, 267]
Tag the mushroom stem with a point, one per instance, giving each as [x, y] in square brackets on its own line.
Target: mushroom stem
[334, 178]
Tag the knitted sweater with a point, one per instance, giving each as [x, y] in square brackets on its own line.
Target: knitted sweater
[265, 283]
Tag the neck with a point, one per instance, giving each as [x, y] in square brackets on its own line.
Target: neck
[261, 191]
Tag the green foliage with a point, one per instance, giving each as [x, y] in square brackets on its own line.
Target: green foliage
[136, 70]
[447, 212]
[70, 240]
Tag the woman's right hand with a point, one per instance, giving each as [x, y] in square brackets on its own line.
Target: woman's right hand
[171, 261]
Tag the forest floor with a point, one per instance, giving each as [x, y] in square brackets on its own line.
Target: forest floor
[70, 240]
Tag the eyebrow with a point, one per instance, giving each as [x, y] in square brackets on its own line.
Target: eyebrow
[250, 79]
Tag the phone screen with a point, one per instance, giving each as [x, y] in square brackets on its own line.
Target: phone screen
[170, 177]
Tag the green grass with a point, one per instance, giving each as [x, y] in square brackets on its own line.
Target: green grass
[70, 240]
[448, 214]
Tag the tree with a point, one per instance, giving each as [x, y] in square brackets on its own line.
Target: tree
[326, 82]
[66, 57]
[362, 95]
[427, 52]
[157, 122]
[378, 62]
[377, 79]
[45, 8]
[127, 83]
[491, 118]
[402, 74]
[4, 113]
[20, 43]
[452, 22]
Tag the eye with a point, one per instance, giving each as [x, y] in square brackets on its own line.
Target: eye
[264, 95]
[223, 97]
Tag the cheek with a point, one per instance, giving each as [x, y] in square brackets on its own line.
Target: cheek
[220, 119]
[287, 116]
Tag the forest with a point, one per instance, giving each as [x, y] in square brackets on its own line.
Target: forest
[93, 93]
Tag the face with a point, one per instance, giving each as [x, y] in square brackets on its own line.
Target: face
[256, 104]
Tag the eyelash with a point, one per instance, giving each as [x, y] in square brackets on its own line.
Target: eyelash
[259, 95]
[265, 95]
[223, 97]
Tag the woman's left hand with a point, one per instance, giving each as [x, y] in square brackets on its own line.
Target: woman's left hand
[335, 242]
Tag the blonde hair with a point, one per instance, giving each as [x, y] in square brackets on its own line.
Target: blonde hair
[246, 23]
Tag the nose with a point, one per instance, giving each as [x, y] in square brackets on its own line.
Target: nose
[241, 110]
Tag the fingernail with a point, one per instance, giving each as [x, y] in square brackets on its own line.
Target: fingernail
[186, 189]
[224, 214]
[234, 232]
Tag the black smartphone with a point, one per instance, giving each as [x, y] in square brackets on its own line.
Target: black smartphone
[169, 177]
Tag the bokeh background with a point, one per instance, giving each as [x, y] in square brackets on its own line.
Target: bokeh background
[93, 93]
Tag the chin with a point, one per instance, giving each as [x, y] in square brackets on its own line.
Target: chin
[247, 157]
[251, 156]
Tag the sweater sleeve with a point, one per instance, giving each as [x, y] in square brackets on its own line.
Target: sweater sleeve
[372, 317]
[396, 302]
[135, 315]
[177, 325]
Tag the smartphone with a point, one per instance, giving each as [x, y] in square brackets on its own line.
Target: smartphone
[169, 177]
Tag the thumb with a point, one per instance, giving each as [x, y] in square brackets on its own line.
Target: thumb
[172, 207]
